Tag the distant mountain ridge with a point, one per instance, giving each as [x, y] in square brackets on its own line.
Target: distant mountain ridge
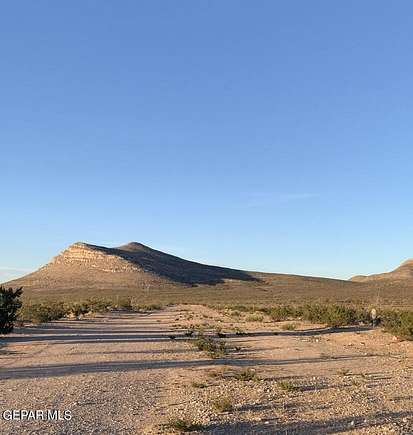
[84, 270]
[133, 264]
[402, 273]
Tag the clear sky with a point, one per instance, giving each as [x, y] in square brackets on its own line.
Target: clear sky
[270, 135]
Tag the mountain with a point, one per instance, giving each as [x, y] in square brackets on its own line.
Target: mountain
[84, 270]
[403, 273]
[131, 265]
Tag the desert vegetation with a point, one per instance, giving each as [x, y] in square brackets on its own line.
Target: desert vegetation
[397, 322]
[43, 312]
[268, 368]
[9, 305]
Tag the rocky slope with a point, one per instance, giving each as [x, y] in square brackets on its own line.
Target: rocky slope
[136, 270]
[129, 266]
[403, 273]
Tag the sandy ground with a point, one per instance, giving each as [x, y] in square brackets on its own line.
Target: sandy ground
[121, 373]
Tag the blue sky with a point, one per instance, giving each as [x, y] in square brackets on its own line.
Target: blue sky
[271, 135]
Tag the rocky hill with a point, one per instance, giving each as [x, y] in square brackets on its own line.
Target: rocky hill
[84, 270]
[403, 273]
[131, 265]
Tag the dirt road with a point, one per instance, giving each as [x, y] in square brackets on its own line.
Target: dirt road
[122, 373]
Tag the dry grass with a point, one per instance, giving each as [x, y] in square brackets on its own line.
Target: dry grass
[182, 424]
[222, 404]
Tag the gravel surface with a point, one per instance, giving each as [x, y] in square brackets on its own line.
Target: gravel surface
[135, 373]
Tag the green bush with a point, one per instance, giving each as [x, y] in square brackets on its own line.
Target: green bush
[98, 305]
[289, 327]
[214, 348]
[145, 307]
[339, 315]
[334, 315]
[77, 308]
[222, 404]
[9, 305]
[282, 312]
[399, 323]
[124, 304]
[182, 424]
[42, 313]
[315, 313]
[246, 374]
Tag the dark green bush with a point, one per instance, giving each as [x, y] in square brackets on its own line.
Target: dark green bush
[399, 323]
[214, 348]
[77, 308]
[145, 307]
[9, 305]
[315, 313]
[124, 304]
[98, 305]
[282, 312]
[42, 313]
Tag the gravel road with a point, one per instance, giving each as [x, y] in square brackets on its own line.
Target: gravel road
[110, 371]
[121, 373]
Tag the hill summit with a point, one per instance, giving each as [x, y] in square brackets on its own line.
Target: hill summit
[136, 270]
[133, 265]
[402, 273]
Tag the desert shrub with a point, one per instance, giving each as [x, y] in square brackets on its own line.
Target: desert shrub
[399, 323]
[340, 315]
[247, 374]
[9, 305]
[343, 372]
[214, 348]
[239, 331]
[222, 404]
[241, 308]
[77, 308]
[314, 313]
[145, 307]
[289, 327]
[98, 305]
[196, 384]
[254, 318]
[124, 304]
[282, 312]
[234, 313]
[334, 315]
[42, 313]
[182, 424]
[287, 385]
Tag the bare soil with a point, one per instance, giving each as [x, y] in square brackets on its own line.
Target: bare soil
[133, 373]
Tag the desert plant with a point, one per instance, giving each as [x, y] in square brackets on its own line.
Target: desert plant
[182, 424]
[9, 305]
[281, 312]
[77, 308]
[340, 315]
[343, 372]
[145, 307]
[42, 313]
[124, 304]
[254, 318]
[196, 384]
[239, 331]
[214, 348]
[246, 374]
[222, 404]
[98, 305]
[314, 313]
[287, 385]
[289, 326]
[399, 323]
